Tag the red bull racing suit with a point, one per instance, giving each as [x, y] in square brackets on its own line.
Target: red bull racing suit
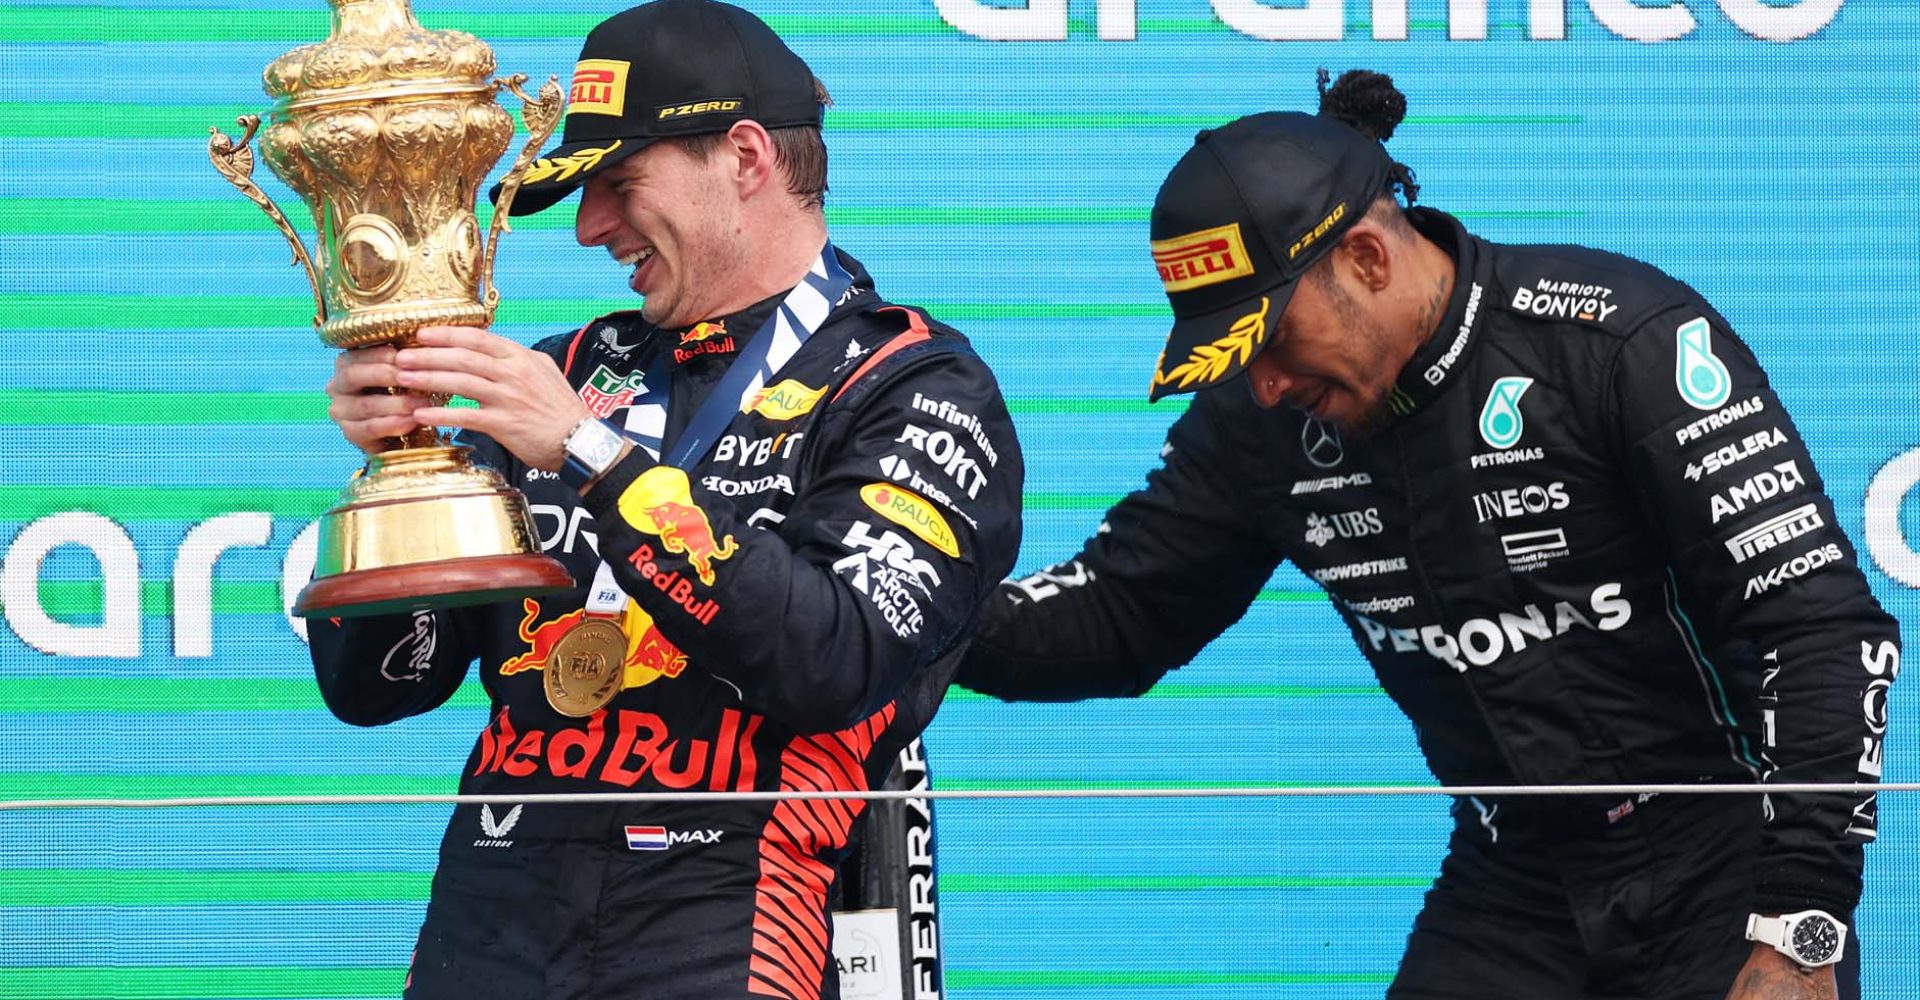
[799, 604]
[1589, 548]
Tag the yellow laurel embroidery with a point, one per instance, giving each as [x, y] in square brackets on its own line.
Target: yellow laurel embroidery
[563, 167]
[1209, 361]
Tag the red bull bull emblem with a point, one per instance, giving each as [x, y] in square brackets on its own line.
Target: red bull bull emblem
[703, 331]
[540, 639]
[660, 503]
[650, 656]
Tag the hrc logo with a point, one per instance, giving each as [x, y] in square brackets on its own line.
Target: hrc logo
[599, 87]
[1207, 257]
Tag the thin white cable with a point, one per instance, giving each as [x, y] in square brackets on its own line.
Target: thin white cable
[902, 795]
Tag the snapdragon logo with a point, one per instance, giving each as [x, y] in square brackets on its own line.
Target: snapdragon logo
[1326, 20]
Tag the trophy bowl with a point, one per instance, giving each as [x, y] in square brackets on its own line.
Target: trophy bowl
[386, 130]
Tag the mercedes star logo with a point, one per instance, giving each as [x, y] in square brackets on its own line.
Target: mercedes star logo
[1321, 441]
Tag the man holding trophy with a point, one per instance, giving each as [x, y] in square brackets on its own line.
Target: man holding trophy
[783, 501]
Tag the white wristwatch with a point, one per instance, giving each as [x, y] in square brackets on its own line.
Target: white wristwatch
[590, 449]
[1812, 938]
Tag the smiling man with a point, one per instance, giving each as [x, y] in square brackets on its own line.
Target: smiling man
[1564, 516]
[784, 501]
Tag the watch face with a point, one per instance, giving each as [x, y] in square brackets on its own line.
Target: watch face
[595, 446]
[1815, 940]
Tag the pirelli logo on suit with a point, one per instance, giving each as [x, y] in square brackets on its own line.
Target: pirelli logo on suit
[1197, 260]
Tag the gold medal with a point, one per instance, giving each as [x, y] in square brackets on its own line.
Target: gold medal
[583, 672]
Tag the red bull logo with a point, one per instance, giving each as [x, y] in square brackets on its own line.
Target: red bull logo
[703, 331]
[627, 749]
[660, 503]
[650, 655]
[539, 638]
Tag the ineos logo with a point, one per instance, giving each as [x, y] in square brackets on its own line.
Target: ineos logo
[1321, 443]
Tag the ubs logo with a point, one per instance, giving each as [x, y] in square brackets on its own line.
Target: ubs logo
[1321, 443]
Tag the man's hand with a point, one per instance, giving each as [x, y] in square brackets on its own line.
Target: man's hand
[371, 420]
[1769, 975]
[525, 402]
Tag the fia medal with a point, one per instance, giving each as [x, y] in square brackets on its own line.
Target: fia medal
[584, 671]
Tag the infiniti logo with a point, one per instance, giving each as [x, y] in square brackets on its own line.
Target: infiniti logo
[1321, 442]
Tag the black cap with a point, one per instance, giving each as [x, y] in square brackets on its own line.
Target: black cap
[1242, 215]
[664, 69]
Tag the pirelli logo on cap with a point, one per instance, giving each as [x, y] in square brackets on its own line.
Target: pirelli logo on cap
[696, 108]
[1339, 212]
[1207, 257]
[599, 87]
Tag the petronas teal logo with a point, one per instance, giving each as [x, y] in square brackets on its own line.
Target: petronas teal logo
[1703, 381]
[1500, 421]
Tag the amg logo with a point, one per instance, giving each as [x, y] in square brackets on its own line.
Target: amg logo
[1331, 483]
[1775, 531]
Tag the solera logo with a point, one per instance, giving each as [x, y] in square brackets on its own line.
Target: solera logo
[1326, 20]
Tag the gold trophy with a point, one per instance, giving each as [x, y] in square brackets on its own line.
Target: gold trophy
[386, 130]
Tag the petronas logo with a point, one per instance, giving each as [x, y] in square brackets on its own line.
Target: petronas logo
[1701, 378]
[1500, 421]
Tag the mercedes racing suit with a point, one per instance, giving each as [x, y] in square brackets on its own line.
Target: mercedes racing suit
[1589, 548]
[794, 623]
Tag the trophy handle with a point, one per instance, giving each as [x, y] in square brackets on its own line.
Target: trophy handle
[541, 116]
[234, 160]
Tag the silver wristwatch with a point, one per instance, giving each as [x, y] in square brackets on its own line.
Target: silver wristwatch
[1811, 938]
[590, 449]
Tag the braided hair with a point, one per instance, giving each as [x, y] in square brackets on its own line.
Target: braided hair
[1368, 103]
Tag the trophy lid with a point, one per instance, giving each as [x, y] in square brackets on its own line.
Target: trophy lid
[377, 48]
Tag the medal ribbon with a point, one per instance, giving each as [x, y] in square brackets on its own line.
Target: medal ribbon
[795, 320]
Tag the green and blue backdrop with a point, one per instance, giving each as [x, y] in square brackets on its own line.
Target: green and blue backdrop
[163, 442]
